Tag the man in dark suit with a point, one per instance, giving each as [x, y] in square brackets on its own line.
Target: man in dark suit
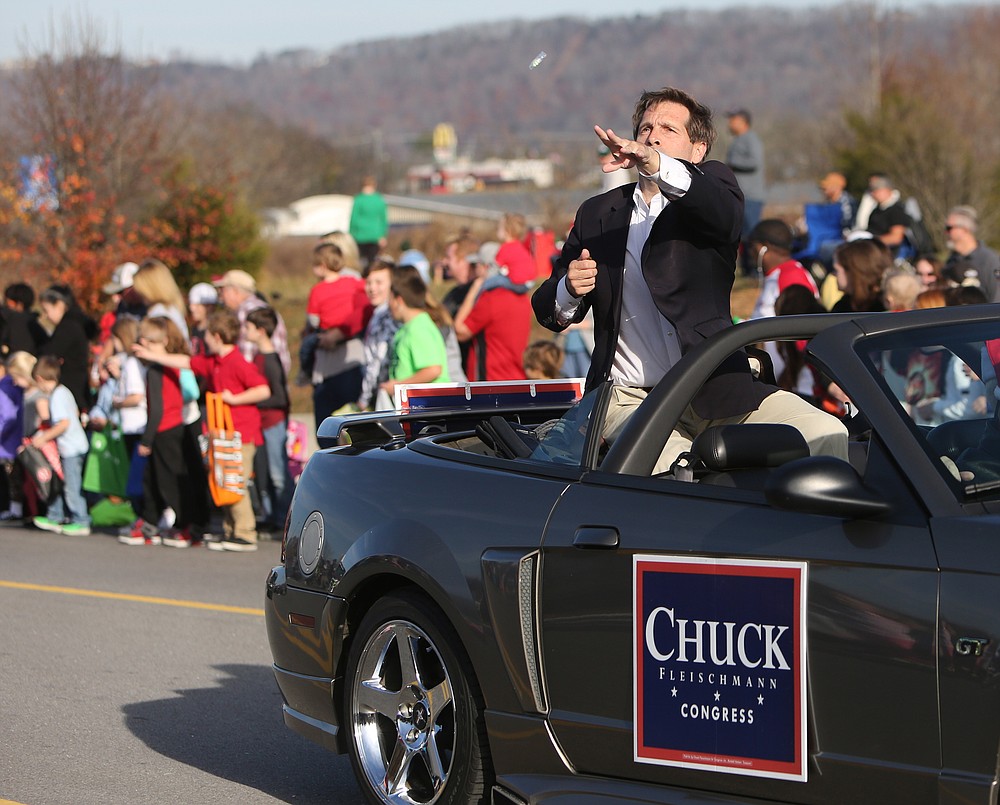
[656, 263]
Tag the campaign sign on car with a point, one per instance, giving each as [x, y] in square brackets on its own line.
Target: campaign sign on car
[719, 649]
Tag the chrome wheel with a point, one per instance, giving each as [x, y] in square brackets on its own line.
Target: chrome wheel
[402, 714]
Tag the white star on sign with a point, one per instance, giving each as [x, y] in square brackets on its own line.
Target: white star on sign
[760, 700]
[718, 695]
[673, 692]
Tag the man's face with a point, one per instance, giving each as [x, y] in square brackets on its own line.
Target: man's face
[231, 296]
[737, 125]
[880, 194]
[955, 230]
[664, 127]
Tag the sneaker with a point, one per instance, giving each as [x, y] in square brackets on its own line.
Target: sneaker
[237, 544]
[46, 524]
[139, 539]
[127, 530]
[138, 536]
[76, 530]
[179, 539]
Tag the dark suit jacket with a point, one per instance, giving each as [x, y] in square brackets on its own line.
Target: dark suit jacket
[688, 263]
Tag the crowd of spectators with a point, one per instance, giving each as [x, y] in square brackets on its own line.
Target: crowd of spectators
[138, 378]
[374, 322]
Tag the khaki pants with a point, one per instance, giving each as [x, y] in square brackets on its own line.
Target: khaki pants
[825, 434]
[238, 520]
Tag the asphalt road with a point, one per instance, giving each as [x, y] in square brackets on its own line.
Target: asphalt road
[107, 696]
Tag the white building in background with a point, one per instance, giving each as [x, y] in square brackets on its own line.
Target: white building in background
[314, 216]
[308, 217]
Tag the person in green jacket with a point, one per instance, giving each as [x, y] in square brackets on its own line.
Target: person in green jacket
[369, 221]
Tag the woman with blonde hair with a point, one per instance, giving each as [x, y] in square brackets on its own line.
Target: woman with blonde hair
[155, 283]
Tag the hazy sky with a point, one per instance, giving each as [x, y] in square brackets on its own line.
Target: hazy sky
[232, 31]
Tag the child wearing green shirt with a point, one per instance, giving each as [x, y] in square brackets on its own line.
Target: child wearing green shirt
[418, 350]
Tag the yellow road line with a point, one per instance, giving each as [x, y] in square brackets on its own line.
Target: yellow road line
[142, 599]
[9, 802]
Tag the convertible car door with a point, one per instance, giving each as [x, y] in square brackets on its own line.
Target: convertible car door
[693, 636]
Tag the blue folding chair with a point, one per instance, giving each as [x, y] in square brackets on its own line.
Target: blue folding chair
[825, 232]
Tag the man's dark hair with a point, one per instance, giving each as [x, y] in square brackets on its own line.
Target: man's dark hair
[700, 127]
[265, 318]
[409, 286]
[772, 232]
[22, 293]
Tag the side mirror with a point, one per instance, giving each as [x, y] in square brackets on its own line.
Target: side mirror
[822, 485]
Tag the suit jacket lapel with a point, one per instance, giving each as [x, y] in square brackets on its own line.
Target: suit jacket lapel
[614, 226]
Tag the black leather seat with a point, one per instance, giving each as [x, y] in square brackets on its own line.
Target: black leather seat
[740, 456]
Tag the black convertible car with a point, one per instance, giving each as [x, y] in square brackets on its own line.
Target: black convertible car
[498, 606]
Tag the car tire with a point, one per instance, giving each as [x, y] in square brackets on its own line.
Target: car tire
[414, 713]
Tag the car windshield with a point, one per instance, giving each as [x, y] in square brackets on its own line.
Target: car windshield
[943, 381]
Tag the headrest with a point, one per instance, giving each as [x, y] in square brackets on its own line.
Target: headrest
[736, 447]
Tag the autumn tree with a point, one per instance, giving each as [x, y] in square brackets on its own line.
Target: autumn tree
[202, 230]
[934, 127]
[112, 191]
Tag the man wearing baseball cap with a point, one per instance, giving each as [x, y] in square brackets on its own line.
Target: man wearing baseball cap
[238, 292]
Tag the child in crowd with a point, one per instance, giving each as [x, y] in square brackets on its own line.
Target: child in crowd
[418, 348]
[380, 330]
[170, 477]
[68, 513]
[11, 434]
[34, 411]
[129, 398]
[337, 301]
[202, 299]
[274, 482]
[241, 386]
[122, 398]
[165, 481]
[543, 360]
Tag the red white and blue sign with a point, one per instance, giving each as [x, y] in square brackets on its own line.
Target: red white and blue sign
[487, 394]
[719, 665]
